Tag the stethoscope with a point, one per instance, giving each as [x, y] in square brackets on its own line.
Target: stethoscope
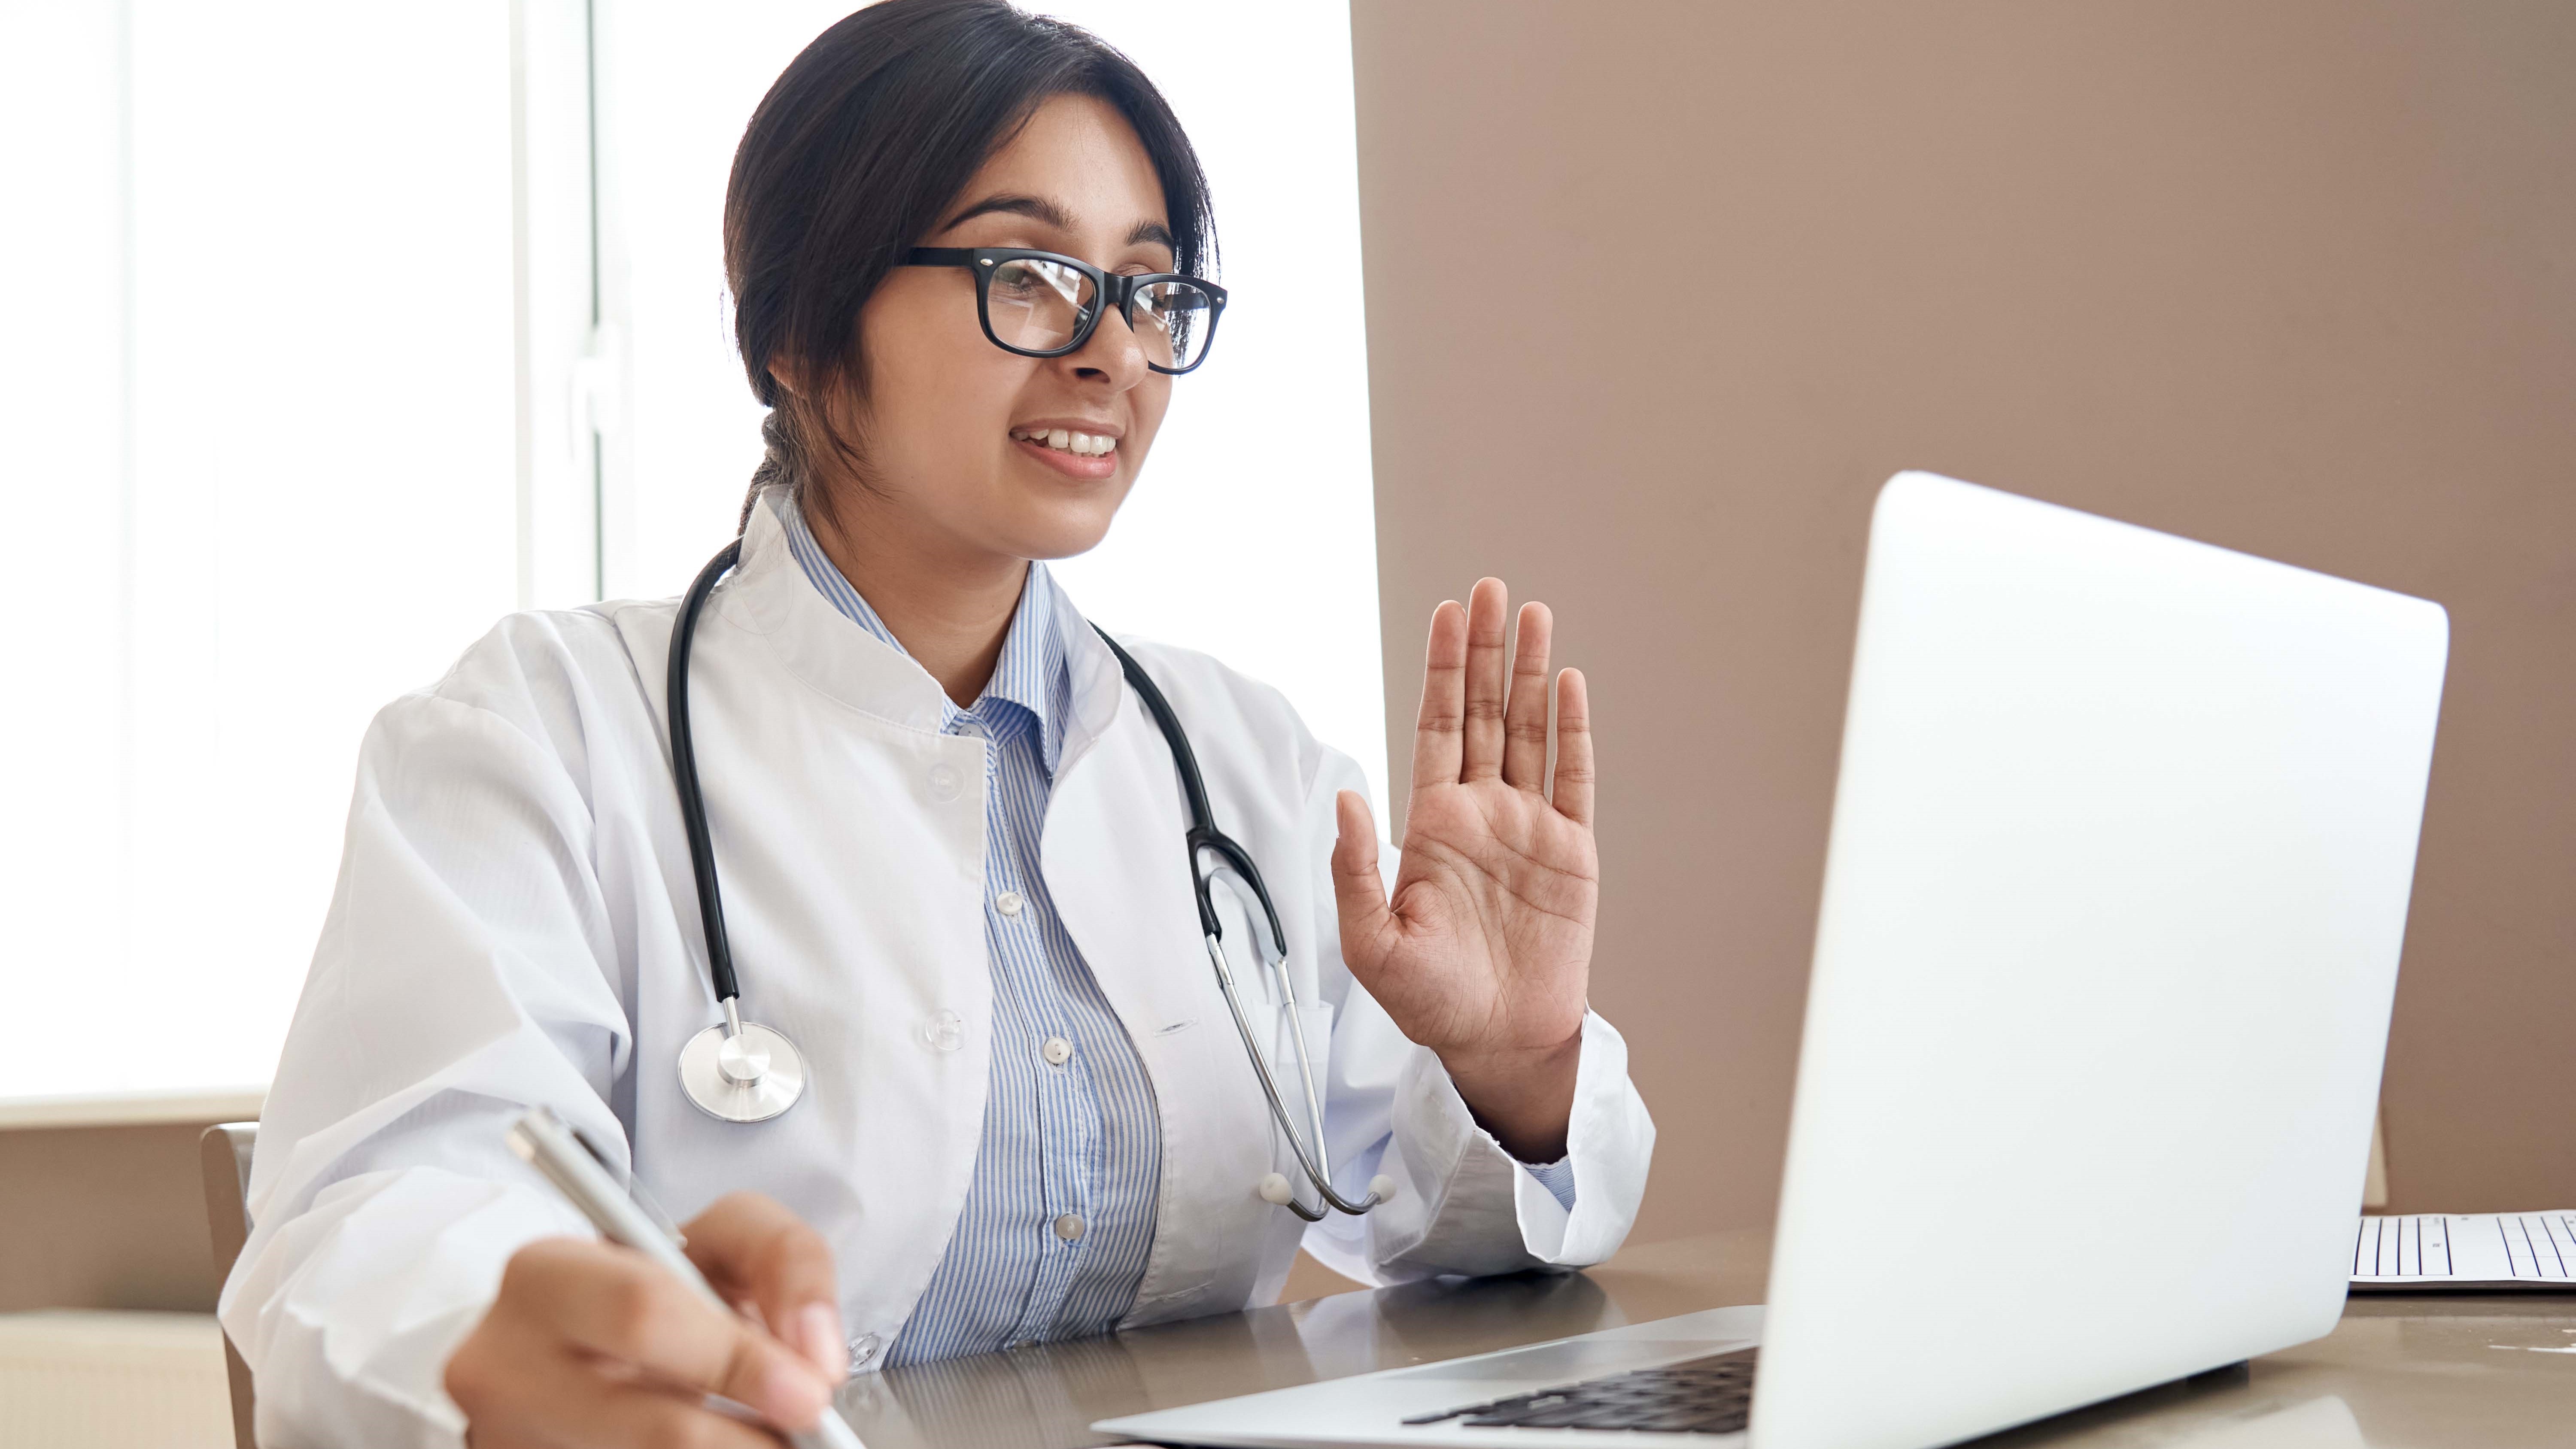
[742, 1071]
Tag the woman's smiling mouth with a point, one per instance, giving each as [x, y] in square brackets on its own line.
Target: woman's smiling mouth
[1076, 452]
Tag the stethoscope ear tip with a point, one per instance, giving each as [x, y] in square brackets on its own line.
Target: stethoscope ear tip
[1274, 1190]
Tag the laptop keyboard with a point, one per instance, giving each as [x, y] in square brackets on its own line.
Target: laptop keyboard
[1709, 1395]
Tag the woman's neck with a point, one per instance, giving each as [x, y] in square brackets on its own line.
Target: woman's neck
[950, 608]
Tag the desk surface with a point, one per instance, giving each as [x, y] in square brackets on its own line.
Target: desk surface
[2495, 1371]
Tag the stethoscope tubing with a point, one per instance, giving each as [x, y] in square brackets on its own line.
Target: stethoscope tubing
[684, 770]
[1237, 861]
[1203, 834]
[1203, 838]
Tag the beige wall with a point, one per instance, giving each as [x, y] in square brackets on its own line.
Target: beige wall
[1660, 293]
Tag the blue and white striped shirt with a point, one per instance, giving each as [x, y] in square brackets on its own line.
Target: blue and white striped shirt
[1059, 1218]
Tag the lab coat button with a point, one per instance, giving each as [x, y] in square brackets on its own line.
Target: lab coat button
[862, 1349]
[1057, 1051]
[1008, 903]
[945, 783]
[1069, 1227]
[944, 1031]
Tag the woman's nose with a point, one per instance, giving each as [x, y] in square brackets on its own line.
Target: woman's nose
[1113, 354]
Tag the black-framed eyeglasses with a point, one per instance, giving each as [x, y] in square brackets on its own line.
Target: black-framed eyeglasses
[1042, 304]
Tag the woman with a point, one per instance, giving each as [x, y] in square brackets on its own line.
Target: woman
[950, 844]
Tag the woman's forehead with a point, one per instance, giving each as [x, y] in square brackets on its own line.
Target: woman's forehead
[1075, 167]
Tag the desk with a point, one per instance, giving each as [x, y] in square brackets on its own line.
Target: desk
[2398, 1373]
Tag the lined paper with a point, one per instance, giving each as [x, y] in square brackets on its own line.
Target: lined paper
[2466, 1250]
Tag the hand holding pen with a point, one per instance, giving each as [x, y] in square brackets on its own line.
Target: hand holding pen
[624, 1342]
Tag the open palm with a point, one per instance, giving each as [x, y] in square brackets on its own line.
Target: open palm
[1484, 952]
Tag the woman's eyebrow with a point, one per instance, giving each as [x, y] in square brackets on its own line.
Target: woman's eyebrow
[1035, 208]
[1040, 209]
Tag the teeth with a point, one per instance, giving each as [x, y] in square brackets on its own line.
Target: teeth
[1065, 440]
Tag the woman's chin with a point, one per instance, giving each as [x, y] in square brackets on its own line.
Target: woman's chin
[1060, 522]
[1061, 533]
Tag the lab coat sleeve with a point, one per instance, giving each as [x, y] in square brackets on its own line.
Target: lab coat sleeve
[464, 972]
[1462, 1204]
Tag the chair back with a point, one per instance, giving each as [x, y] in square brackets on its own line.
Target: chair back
[224, 1151]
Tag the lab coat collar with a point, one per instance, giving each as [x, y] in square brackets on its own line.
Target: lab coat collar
[1098, 688]
[769, 595]
[1031, 672]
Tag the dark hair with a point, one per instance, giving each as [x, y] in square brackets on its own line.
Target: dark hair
[854, 156]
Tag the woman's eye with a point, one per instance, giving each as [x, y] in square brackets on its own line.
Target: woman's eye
[1041, 284]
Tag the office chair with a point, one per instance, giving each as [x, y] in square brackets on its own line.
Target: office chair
[224, 1151]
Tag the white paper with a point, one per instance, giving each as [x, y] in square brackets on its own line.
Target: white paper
[2460, 1250]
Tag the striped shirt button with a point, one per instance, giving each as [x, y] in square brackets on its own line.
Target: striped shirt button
[1008, 903]
[1069, 1227]
[1057, 1051]
[996, 1277]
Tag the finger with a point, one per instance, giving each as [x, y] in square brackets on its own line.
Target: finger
[1359, 896]
[1484, 734]
[520, 1389]
[617, 1303]
[1573, 797]
[1525, 716]
[1437, 731]
[753, 1249]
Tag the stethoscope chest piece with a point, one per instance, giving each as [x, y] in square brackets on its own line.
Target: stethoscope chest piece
[741, 1072]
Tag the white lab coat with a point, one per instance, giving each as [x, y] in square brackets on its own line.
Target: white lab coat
[515, 923]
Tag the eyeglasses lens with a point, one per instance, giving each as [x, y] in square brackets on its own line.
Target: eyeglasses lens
[1037, 305]
[1173, 320]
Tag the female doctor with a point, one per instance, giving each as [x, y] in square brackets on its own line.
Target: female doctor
[950, 840]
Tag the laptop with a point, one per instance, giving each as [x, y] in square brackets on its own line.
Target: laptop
[2121, 854]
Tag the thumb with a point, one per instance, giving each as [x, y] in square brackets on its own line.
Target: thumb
[1358, 895]
[752, 1248]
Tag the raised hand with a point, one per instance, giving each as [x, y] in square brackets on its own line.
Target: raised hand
[1485, 950]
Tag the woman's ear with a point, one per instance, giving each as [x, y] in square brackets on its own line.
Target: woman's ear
[789, 377]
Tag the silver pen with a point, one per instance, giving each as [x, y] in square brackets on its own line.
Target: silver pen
[543, 1140]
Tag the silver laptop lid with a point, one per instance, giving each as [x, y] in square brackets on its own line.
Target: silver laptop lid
[2121, 855]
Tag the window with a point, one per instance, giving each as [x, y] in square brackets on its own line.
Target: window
[332, 345]
[259, 479]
